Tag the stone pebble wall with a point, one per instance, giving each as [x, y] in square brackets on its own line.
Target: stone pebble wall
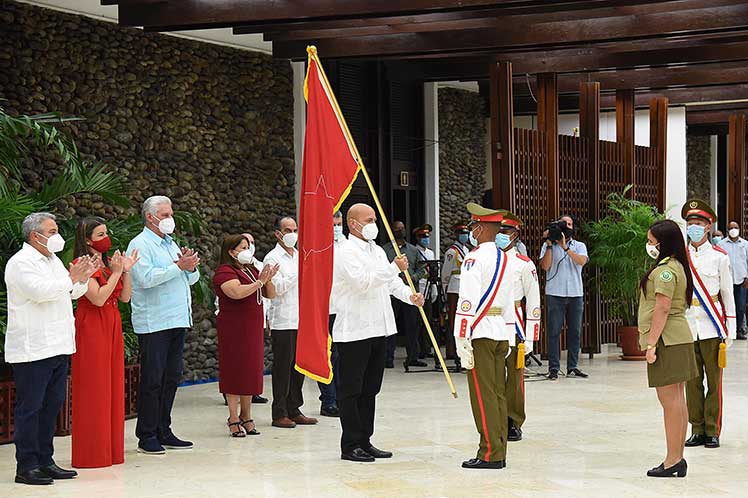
[209, 126]
[698, 154]
[462, 160]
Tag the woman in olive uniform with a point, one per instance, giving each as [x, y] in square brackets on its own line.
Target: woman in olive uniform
[666, 291]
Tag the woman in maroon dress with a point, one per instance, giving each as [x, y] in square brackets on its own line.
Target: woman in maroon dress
[240, 287]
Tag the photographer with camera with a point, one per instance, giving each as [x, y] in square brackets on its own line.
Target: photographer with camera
[562, 258]
[406, 317]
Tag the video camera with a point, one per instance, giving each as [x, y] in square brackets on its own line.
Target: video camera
[557, 229]
[434, 270]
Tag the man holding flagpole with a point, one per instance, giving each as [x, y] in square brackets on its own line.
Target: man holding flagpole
[365, 280]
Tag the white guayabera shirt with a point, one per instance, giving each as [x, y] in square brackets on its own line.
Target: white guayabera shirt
[40, 307]
[284, 308]
[364, 280]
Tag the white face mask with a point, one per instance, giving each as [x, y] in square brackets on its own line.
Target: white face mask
[166, 226]
[734, 233]
[369, 231]
[55, 243]
[337, 231]
[290, 239]
[653, 251]
[246, 256]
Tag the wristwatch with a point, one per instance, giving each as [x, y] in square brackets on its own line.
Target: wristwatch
[651, 346]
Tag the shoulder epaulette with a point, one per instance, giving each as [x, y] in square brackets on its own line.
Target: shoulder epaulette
[719, 249]
[524, 258]
[664, 261]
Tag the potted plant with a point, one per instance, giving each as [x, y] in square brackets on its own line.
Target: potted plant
[617, 245]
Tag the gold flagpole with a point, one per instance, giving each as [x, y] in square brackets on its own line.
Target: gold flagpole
[312, 51]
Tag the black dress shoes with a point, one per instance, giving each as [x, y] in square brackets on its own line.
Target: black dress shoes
[515, 433]
[356, 455]
[34, 477]
[329, 411]
[377, 453]
[711, 442]
[477, 463]
[55, 472]
[696, 440]
[256, 398]
[679, 469]
[416, 363]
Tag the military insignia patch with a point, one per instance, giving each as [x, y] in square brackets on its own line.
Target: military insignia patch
[666, 276]
[466, 306]
[469, 263]
[536, 313]
[693, 205]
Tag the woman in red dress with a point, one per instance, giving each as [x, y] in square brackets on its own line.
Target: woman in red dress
[99, 364]
[240, 287]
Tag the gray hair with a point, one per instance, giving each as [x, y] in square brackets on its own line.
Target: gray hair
[337, 215]
[33, 223]
[151, 204]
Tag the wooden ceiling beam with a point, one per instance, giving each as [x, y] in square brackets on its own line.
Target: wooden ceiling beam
[525, 105]
[472, 19]
[579, 60]
[171, 15]
[676, 24]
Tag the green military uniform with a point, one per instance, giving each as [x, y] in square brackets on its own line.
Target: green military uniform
[527, 328]
[675, 362]
[483, 340]
[711, 318]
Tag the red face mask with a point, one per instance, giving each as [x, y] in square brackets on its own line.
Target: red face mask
[102, 245]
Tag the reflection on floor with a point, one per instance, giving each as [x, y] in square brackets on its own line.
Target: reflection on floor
[583, 438]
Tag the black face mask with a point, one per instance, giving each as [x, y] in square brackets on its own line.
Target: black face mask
[399, 234]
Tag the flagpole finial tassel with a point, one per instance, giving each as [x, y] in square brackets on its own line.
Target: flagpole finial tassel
[311, 50]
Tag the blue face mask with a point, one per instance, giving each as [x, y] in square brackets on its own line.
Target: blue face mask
[695, 232]
[503, 241]
[717, 239]
[425, 241]
[337, 231]
[464, 238]
[472, 240]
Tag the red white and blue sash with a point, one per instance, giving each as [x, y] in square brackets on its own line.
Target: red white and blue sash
[519, 325]
[488, 297]
[705, 298]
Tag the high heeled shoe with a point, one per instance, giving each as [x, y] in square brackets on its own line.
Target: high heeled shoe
[679, 469]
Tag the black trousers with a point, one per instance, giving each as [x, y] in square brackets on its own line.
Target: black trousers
[40, 393]
[287, 382]
[406, 317]
[361, 365]
[160, 373]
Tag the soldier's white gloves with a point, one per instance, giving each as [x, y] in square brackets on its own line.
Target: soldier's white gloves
[528, 347]
[728, 342]
[465, 352]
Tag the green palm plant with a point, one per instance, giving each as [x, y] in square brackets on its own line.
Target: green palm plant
[17, 199]
[618, 249]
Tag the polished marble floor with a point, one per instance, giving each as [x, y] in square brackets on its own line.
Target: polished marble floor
[583, 438]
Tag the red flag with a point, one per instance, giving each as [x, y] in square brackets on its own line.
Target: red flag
[329, 169]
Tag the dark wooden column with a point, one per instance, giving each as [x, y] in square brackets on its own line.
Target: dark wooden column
[736, 168]
[502, 135]
[548, 126]
[589, 129]
[658, 139]
[625, 134]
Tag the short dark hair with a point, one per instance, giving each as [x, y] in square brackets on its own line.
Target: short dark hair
[279, 220]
